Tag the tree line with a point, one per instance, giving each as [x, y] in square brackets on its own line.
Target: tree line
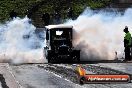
[23, 7]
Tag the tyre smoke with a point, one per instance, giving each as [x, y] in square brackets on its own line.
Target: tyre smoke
[19, 43]
[99, 35]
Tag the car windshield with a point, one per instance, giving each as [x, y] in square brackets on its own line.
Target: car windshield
[61, 35]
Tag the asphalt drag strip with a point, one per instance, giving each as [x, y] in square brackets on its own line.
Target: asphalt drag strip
[62, 70]
[7, 79]
[57, 75]
[36, 76]
[67, 71]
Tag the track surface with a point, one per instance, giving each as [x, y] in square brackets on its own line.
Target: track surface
[6, 77]
[59, 75]
[65, 70]
[30, 76]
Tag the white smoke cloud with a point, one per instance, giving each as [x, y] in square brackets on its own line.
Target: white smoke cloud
[19, 43]
[99, 35]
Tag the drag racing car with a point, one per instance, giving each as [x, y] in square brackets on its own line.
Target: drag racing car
[59, 47]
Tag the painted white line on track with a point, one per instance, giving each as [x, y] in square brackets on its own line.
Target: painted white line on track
[64, 79]
[11, 72]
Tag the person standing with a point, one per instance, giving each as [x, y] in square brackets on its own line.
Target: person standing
[127, 44]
